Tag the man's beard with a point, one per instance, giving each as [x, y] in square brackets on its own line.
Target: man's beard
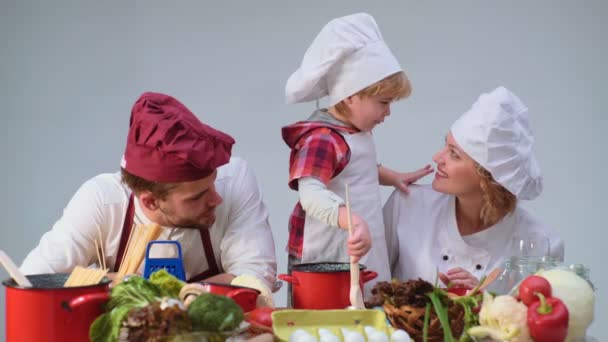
[171, 221]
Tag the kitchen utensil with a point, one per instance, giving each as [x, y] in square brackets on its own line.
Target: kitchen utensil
[12, 269]
[355, 294]
[245, 297]
[174, 266]
[47, 311]
[323, 285]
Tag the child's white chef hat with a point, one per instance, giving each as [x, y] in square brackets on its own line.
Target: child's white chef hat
[347, 56]
[496, 133]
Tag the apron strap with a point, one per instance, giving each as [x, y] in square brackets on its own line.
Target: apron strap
[213, 269]
[126, 231]
[205, 239]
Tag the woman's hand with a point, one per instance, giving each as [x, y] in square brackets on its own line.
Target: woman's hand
[401, 180]
[459, 277]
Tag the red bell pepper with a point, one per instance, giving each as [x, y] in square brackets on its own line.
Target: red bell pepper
[531, 285]
[548, 319]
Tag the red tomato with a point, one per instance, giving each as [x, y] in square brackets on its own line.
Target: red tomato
[260, 316]
[530, 286]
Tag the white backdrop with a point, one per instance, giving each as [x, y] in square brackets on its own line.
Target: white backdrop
[70, 72]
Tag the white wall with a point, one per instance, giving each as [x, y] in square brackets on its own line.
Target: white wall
[70, 71]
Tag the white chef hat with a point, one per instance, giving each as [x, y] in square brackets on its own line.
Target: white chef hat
[347, 56]
[496, 133]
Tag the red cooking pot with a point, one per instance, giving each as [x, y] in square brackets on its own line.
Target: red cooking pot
[49, 312]
[245, 297]
[324, 285]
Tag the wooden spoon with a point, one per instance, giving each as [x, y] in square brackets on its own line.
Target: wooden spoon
[355, 295]
[487, 281]
[12, 269]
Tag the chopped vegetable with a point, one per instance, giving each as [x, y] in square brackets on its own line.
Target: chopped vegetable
[152, 323]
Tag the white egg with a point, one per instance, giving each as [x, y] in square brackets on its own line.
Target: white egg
[400, 336]
[307, 338]
[369, 329]
[323, 331]
[329, 338]
[377, 336]
[300, 335]
[353, 336]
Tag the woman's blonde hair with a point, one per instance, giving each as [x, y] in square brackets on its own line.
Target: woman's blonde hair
[139, 185]
[396, 86]
[498, 202]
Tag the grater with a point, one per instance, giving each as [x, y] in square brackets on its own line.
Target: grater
[174, 266]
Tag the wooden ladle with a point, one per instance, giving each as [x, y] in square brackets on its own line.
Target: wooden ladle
[12, 269]
[355, 294]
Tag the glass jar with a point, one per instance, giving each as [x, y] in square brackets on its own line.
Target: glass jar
[516, 269]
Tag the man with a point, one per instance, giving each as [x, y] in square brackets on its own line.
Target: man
[176, 172]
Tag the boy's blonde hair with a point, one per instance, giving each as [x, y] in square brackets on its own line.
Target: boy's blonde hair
[498, 202]
[396, 86]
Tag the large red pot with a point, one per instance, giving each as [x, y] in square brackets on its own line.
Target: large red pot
[50, 312]
[320, 286]
[245, 297]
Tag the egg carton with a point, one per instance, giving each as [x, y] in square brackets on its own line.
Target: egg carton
[335, 326]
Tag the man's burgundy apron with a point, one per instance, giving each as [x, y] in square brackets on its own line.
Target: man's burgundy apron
[205, 239]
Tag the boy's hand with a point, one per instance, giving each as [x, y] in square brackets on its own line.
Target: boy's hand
[360, 241]
[401, 180]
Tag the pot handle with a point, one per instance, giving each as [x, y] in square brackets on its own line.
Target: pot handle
[289, 278]
[367, 275]
[241, 293]
[245, 297]
[86, 300]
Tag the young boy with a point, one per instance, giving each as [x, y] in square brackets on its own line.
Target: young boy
[350, 63]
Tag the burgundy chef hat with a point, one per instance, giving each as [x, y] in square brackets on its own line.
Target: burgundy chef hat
[168, 143]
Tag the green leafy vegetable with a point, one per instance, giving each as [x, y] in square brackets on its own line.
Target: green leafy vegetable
[136, 292]
[167, 282]
[425, 327]
[442, 314]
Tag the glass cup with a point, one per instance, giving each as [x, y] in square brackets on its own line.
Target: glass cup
[532, 245]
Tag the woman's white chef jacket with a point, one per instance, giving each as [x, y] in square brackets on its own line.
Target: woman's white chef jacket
[422, 236]
[241, 236]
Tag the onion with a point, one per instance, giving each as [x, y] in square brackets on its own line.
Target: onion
[579, 298]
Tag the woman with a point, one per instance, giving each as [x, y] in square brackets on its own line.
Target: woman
[465, 225]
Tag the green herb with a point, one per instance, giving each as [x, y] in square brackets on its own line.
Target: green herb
[425, 327]
[442, 314]
[468, 303]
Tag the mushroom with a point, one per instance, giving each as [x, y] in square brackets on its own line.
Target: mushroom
[190, 292]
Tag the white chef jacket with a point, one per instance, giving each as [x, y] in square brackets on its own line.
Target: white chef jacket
[422, 236]
[241, 236]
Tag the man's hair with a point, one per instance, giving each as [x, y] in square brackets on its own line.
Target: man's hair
[139, 185]
[498, 202]
[396, 86]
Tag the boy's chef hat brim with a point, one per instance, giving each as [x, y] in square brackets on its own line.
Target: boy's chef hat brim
[496, 133]
[347, 56]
